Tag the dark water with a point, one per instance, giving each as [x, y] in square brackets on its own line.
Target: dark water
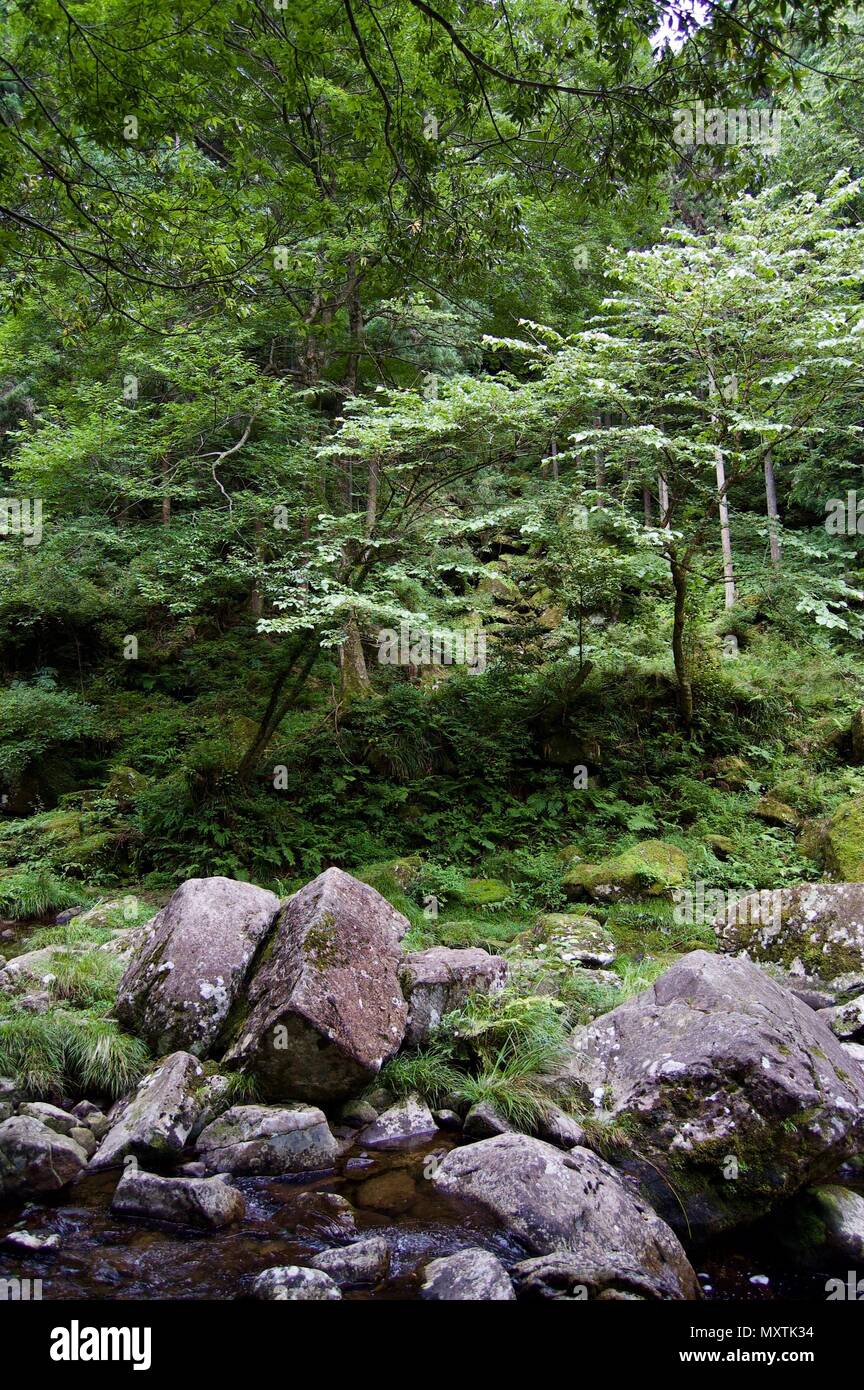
[287, 1221]
[106, 1256]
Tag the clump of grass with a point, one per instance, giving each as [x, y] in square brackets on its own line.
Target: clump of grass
[34, 892]
[638, 975]
[69, 935]
[242, 1089]
[585, 999]
[608, 1135]
[66, 1051]
[512, 1087]
[86, 980]
[430, 1074]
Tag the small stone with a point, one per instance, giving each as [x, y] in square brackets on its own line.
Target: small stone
[292, 1284]
[484, 1122]
[447, 1119]
[365, 1262]
[470, 1275]
[402, 1126]
[206, 1202]
[86, 1138]
[32, 1243]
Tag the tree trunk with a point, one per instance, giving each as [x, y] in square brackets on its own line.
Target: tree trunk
[773, 514]
[663, 495]
[355, 677]
[554, 456]
[685, 688]
[600, 463]
[372, 494]
[725, 535]
[646, 504]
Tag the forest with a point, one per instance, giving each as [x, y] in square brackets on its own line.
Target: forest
[431, 681]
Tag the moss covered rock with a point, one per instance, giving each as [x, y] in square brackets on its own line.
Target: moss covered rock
[775, 812]
[817, 928]
[481, 892]
[652, 868]
[843, 843]
[569, 938]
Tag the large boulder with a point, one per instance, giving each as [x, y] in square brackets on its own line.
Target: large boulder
[34, 1158]
[364, 1262]
[325, 1007]
[815, 926]
[208, 1203]
[265, 1139]
[178, 989]
[437, 981]
[569, 1202]
[733, 1093]
[650, 869]
[156, 1121]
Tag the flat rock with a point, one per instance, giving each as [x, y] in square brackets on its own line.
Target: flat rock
[264, 1139]
[718, 1070]
[437, 981]
[157, 1120]
[208, 1203]
[325, 1007]
[467, 1276]
[552, 1202]
[178, 989]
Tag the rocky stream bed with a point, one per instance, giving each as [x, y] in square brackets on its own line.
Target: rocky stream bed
[733, 1087]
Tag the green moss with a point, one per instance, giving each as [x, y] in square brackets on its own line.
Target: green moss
[482, 892]
[652, 868]
[843, 844]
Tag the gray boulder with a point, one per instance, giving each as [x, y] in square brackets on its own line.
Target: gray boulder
[552, 1202]
[404, 1125]
[264, 1139]
[364, 1262]
[325, 1008]
[735, 1093]
[468, 1276]
[156, 1121]
[815, 926]
[437, 981]
[208, 1203]
[293, 1284]
[35, 1159]
[567, 1278]
[178, 989]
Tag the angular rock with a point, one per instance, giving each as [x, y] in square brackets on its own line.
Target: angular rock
[50, 1115]
[365, 1262]
[402, 1126]
[208, 1203]
[325, 1008]
[845, 1020]
[483, 1121]
[156, 1121]
[736, 1094]
[34, 1158]
[268, 1139]
[468, 1276]
[560, 1129]
[292, 1284]
[437, 981]
[574, 1202]
[179, 988]
[30, 1242]
[85, 1138]
[326, 1217]
[814, 928]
